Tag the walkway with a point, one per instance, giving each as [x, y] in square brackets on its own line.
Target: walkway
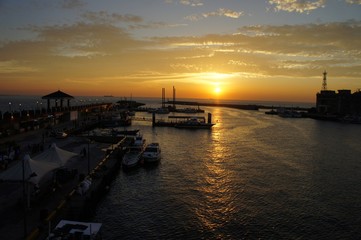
[13, 224]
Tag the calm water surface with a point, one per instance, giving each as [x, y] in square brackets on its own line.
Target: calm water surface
[253, 176]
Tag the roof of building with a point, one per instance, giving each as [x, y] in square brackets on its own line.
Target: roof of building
[57, 95]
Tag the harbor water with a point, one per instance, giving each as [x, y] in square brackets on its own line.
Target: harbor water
[252, 176]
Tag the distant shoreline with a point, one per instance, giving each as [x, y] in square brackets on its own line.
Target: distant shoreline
[34, 102]
[233, 105]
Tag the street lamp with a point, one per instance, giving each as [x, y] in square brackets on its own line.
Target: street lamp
[26, 201]
[88, 156]
[20, 109]
[10, 107]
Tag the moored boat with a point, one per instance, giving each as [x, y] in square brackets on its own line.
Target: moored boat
[133, 153]
[125, 132]
[131, 159]
[194, 123]
[66, 229]
[103, 135]
[151, 153]
[61, 134]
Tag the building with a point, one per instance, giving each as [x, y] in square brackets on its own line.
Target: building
[342, 102]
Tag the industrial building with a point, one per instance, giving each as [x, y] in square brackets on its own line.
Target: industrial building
[342, 102]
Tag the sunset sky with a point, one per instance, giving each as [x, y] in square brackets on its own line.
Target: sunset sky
[226, 49]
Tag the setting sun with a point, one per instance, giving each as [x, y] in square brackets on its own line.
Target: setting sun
[217, 90]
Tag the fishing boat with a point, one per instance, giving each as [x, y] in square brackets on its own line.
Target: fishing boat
[151, 153]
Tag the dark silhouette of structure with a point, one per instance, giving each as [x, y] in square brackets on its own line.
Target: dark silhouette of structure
[342, 102]
[58, 96]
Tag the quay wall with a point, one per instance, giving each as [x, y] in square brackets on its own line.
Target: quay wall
[78, 207]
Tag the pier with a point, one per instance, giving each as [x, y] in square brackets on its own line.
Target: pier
[32, 214]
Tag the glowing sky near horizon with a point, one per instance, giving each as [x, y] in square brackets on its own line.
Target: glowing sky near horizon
[230, 49]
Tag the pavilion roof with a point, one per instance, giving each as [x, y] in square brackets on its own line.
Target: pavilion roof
[57, 95]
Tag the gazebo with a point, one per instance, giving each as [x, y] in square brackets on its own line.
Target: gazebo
[58, 96]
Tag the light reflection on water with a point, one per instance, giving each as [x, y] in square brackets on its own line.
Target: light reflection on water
[252, 176]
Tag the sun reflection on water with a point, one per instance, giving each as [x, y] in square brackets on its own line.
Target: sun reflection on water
[216, 205]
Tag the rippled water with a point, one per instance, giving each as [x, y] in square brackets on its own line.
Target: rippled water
[253, 176]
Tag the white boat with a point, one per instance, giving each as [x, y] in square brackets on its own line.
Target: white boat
[133, 153]
[152, 153]
[61, 134]
[131, 160]
[194, 123]
[137, 143]
[76, 230]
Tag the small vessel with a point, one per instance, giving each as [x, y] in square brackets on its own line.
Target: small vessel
[190, 122]
[76, 230]
[194, 123]
[124, 132]
[103, 135]
[290, 114]
[151, 153]
[117, 119]
[159, 110]
[61, 134]
[137, 143]
[131, 159]
[271, 112]
[133, 152]
[190, 110]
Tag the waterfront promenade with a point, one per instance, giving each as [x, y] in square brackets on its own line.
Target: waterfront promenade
[51, 202]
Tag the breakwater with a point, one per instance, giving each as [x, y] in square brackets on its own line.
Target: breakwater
[234, 105]
[237, 106]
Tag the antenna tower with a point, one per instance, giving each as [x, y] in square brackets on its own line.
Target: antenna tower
[324, 82]
[163, 97]
[173, 97]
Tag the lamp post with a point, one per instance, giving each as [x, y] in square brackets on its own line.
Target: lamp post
[26, 197]
[11, 113]
[24, 202]
[88, 156]
[20, 109]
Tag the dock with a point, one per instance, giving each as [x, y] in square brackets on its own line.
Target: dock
[32, 214]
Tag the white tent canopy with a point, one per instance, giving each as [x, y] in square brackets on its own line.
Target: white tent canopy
[55, 155]
[42, 164]
[28, 166]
